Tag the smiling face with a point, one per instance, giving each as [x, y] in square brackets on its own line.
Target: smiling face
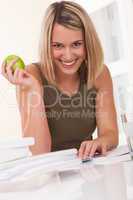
[68, 49]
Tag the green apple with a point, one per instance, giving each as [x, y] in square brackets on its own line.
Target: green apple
[19, 63]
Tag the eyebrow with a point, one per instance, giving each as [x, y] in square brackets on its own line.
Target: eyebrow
[72, 42]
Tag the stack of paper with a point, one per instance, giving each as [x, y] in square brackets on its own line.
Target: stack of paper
[36, 171]
[120, 154]
[119, 151]
[14, 148]
[54, 161]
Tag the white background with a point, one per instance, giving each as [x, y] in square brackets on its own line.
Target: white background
[20, 26]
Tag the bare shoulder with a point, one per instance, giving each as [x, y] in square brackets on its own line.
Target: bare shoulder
[104, 80]
[34, 70]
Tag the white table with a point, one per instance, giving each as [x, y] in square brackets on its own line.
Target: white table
[89, 182]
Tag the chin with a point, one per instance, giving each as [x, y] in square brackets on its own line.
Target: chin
[69, 71]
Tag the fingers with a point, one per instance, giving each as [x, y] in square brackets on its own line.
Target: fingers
[104, 149]
[9, 73]
[11, 63]
[7, 69]
[16, 76]
[20, 75]
[93, 149]
[81, 150]
[86, 149]
[89, 148]
[4, 69]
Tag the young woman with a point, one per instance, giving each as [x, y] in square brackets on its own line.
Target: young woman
[68, 93]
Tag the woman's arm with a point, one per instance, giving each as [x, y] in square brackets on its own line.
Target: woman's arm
[105, 110]
[105, 117]
[32, 111]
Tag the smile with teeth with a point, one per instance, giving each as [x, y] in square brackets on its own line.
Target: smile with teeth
[68, 63]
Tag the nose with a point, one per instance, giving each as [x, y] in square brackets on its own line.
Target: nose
[67, 54]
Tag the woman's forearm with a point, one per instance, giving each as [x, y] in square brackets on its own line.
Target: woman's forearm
[34, 121]
[110, 138]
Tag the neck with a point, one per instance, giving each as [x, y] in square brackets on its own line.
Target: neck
[68, 83]
[62, 78]
[70, 79]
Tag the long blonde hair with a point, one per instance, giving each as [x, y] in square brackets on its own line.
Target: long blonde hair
[72, 16]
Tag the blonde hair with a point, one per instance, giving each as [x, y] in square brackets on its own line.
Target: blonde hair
[73, 16]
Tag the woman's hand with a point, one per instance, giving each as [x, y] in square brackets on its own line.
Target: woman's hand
[19, 76]
[89, 147]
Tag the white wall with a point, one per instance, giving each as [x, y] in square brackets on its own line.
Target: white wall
[113, 22]
[128, 34]
[120, 28]
[20, 25]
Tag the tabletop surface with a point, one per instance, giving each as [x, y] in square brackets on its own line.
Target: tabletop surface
[95, 181]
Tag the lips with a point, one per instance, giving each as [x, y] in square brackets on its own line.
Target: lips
[68, 64]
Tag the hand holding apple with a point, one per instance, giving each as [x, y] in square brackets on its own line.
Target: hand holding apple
[13, 69]
[18, 64]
